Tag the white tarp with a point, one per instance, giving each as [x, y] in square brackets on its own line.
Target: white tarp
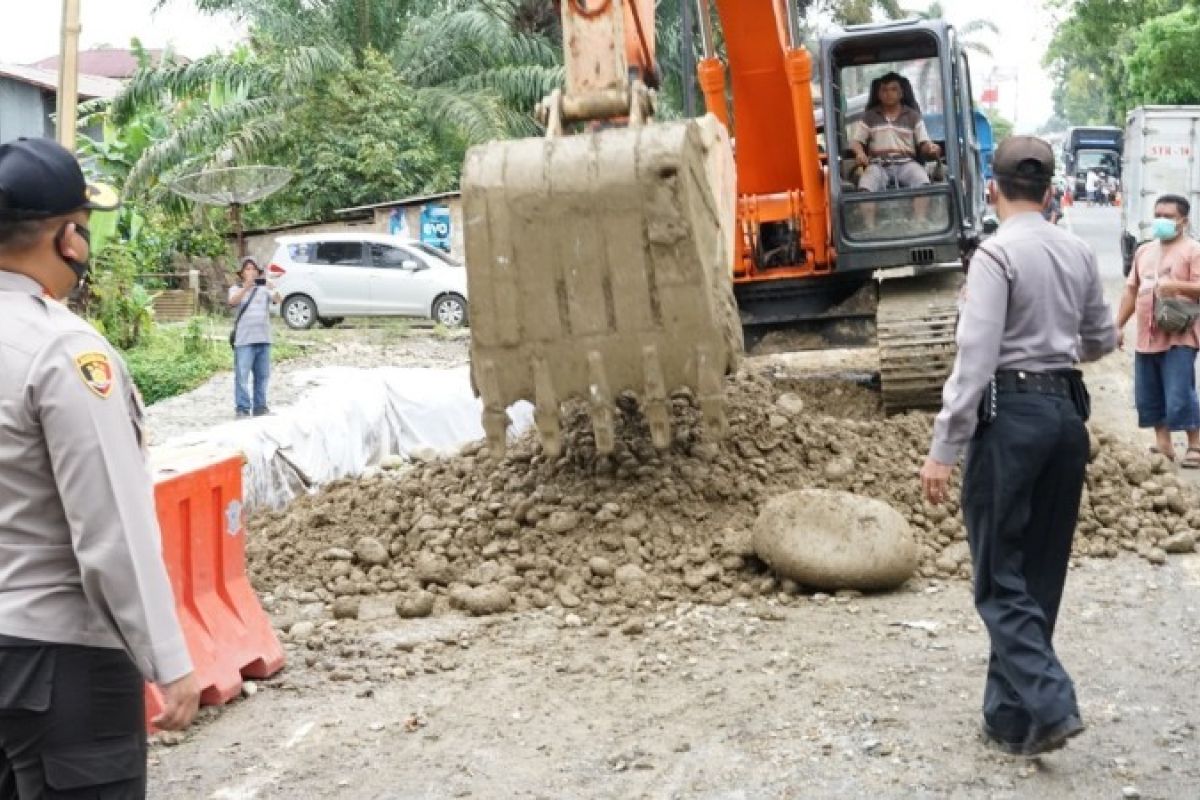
[350, 421]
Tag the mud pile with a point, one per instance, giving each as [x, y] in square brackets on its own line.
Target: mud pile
[591, 532]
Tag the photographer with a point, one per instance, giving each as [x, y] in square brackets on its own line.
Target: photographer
[251, 338]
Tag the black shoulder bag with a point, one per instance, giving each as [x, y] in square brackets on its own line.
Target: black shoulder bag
[241, 311]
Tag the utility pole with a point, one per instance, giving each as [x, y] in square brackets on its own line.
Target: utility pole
[68, 75]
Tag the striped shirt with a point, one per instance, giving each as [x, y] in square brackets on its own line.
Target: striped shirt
[900, 135]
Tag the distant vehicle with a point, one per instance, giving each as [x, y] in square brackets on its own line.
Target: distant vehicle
[326, 277]
[1096, 148]
[1162, 143]
[1105, 163]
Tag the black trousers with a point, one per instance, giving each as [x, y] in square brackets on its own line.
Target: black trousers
[72, 723]
[1021, 489]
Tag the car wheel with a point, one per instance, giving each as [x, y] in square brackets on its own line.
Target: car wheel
[329, 322]
[450, 310]
[299, 312]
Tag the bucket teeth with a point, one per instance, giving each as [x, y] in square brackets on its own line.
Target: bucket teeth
[658, 416]
[495, 417]
[599, 264]
[712, 398]
[546, 413]
[601, 402]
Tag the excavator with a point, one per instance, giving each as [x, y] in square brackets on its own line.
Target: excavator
[620, 254]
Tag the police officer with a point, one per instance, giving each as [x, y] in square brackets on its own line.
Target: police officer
[86, 610]
[1034, 307]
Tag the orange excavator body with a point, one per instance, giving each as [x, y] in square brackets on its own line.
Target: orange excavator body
[780, 177]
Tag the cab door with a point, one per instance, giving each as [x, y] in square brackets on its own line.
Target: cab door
[970, 151]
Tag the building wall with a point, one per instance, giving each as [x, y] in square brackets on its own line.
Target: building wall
[412, 219]
[23, 110]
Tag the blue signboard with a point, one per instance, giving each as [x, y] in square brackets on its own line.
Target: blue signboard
[435, 226]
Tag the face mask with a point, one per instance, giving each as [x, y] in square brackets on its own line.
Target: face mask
[1164, 229]
[80, 268]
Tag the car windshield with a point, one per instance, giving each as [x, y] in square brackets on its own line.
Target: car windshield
[440, 255]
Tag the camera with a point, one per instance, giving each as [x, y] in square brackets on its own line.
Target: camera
[260, 281]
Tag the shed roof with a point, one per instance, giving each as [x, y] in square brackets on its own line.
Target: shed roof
[104, 62]
[90, 86]
[404, 201]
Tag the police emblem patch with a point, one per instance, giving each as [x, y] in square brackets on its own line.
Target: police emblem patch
[96, 371]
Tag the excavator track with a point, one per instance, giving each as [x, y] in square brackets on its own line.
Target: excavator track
[915, 329]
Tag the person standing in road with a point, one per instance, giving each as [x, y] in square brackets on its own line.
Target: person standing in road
[251, 338]
[1092, 186]
[1164, 364]
[1034, 307]
[86, 609]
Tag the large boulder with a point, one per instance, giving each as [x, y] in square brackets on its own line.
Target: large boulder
[834, 540]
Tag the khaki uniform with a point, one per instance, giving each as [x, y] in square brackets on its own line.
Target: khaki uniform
[80, 550]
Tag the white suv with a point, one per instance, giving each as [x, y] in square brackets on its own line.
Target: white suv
[325, 277]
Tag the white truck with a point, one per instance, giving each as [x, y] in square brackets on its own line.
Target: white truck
[1162, 144]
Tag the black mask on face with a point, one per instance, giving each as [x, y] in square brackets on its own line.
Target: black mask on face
[80, 268]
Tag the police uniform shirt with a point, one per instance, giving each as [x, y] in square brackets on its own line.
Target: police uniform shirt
[1034, 302]
[80, 547]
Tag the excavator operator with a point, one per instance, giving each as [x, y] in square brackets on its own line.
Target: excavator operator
[885, 141]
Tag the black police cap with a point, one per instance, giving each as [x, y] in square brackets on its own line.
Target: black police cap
[39, 178]
[1024, 158]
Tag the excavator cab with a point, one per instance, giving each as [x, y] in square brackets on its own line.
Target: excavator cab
[922, 210]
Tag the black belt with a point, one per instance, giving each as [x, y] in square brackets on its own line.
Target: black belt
[1056, 383]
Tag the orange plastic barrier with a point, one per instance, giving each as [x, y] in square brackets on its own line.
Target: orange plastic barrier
[199, 502]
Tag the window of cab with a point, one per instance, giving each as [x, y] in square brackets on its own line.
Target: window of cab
[891, 131]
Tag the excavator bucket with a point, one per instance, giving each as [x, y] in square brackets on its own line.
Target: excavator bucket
[597, 264]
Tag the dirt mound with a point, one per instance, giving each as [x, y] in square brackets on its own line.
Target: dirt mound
[601, 534]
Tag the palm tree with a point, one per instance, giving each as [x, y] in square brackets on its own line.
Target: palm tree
[858, 12]
[969, 29]
[472, 74]
[965, 33]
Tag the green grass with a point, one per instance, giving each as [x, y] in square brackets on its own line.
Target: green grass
[176, 358]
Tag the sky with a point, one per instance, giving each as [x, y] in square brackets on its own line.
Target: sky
[1025, 31]
[31, 32]
[31, 28]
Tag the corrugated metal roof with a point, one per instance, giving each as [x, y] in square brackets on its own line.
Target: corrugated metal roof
[404, 201]
[107, 62]
[90, 86]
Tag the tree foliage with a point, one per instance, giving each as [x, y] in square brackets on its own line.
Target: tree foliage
[466, 72]
[359, 137]
[968, 32]
[1002, 127]
[1160, 48]
[1089, 55]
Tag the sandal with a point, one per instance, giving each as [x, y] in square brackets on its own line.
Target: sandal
[1154, 451]
[1191, 460]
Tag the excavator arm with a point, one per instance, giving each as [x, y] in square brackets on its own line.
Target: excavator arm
[602, 261]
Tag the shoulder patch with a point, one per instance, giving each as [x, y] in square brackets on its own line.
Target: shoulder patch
[96, 371]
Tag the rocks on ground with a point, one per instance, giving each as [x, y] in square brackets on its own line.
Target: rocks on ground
[599, 535]
[828, 539]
